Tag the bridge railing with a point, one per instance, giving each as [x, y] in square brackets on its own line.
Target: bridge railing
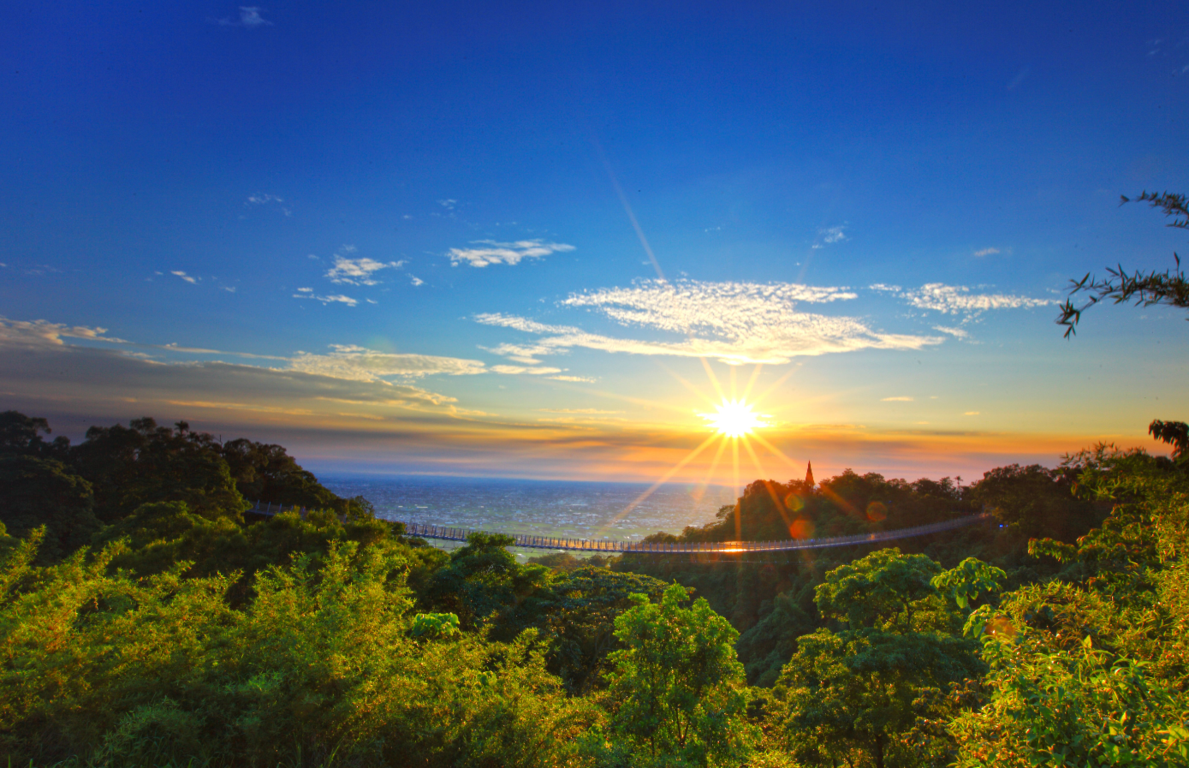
[429, 531]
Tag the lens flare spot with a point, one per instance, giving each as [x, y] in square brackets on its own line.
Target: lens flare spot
[877, 511]
[794, 503]
[801, 529]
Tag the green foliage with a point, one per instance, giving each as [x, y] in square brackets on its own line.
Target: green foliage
[1036, 502]
[677, 686]
[577, 614]
[882, 590]
[265, 472]
[434, 625]
[318, 667]
[868, 697]
[1069, 688]
[970, 579]
[878, 691]
[1095, 670]
[143, 463]
[36, 492]
[482, 580]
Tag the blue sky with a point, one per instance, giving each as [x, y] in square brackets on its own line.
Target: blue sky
[504, 239]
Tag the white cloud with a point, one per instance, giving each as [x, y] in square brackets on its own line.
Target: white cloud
[585, 411]
[40, 332]
[35, 363]
[884, 288]
[581, 379]
[228, 288]
[362, 364]
[357, 271]
[900, 399]
[305, 290]
[987, 252]
[416, 281]
[187, 278]
[518, 369]
[733, 322]
[448, 204]
[957, 299]
[249, 17]
[957, 333]
[259, 199]
[493, 252]
[830, 236]
[334, 298]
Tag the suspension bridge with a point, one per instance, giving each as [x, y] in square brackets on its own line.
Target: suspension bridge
[427, 531]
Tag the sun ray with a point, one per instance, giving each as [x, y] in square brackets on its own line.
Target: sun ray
[751, 382]
[685, 383]
[738, 520]
[664, 479]
[772, 388]
[713, 379]
[710, 472]
[767, 485]
[775, 450]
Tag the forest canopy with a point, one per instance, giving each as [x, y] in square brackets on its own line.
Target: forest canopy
[148, 618]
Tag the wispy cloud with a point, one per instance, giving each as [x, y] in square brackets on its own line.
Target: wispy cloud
[228, 288]
[358, 271]
[41, 332]
[492, 252]
[308, 293]
[580, 411]
[987, 252]
[188, 278]
[520, 369]
[733, 322]
[900, 399]
[577, 379]
[264, 199]
[957, 299]
[249, 16]
[448, 204]
[957, 333]
[415, 281]
[362, 364]
[830, 236]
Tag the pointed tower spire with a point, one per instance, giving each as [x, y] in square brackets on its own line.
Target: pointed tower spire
[809, 474]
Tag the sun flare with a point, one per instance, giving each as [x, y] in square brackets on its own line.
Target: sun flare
[734, 418]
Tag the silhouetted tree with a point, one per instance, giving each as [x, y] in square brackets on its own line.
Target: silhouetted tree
[1168, 287]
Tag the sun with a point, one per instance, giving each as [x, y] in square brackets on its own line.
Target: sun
[734, 418]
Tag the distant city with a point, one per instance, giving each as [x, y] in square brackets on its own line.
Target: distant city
[588, 510]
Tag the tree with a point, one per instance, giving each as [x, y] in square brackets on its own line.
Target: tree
[142, 463]
[678, 684]
[883, 590]
[1035, 501]
[580, 609]
[483, 580]
[1168, 287]
[43, 492]
[875, 693]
